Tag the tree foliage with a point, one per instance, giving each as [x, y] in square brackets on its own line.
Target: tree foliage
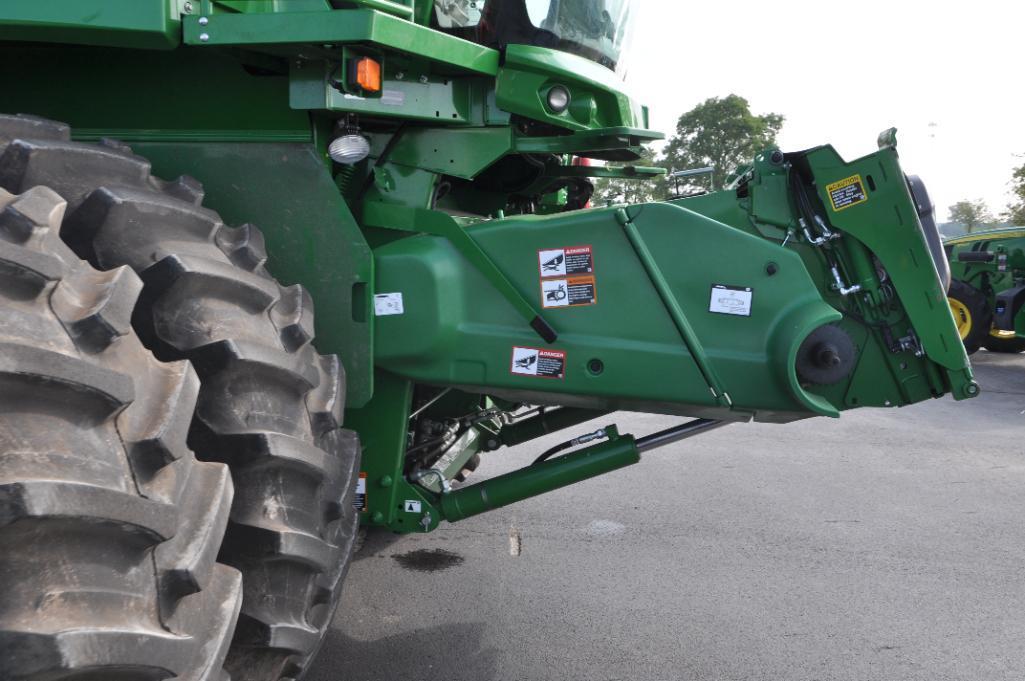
[1016, 209]
[631, 190]
[721, 133]
[971, 214]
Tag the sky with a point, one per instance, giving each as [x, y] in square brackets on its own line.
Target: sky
[946, 75]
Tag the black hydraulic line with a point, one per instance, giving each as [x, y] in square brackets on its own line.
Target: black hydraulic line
[553, 451]
[389, 147]
[545, 423]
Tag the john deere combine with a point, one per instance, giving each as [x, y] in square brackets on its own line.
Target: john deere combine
[987, 294]
[179, 497]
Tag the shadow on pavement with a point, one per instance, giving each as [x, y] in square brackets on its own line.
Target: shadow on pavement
[453, 653]
[1000, 372]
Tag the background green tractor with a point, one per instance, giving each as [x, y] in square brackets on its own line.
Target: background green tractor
[179, 496]
[987, 292]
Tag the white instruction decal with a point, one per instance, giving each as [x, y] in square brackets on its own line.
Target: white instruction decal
[388, 304]
[538, 362]
[735, 300]
[560, 262]
[412, 506]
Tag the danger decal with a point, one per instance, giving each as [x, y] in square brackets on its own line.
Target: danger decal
[538, 362]
[562, 262]
[846, 193]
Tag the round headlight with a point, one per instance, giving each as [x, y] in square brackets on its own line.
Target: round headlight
[349, 149]
[558, 99]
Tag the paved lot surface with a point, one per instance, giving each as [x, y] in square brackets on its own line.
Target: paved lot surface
[888, 545]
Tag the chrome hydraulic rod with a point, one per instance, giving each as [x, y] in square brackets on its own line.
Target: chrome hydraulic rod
[677, 433]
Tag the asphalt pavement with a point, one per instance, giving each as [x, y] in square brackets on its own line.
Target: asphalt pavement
[889, 545]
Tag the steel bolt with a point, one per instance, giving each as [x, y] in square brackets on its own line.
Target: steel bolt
[187, 8]
[203, 21]
[203, 37]
[424, 79]
[400, 75]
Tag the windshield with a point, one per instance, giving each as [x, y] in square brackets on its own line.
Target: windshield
[596, 29]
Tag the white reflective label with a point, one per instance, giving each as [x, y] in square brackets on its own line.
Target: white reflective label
[388, 304]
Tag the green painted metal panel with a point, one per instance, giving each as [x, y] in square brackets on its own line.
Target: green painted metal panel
[151, 24]
[312, 238]
[887, 223]
[282, 30]
[192, 95]
[458, 330]
[986, 235]
[268, 6]
[434, 100]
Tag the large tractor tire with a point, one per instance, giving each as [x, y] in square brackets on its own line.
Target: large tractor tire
[971, 314]
[109, 526]
[269, 406]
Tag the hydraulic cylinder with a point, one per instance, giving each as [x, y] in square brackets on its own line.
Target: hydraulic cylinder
[540, 478]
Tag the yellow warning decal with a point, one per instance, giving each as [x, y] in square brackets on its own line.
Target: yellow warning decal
[846, 193]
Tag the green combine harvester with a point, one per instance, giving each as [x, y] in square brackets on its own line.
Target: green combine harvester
[987, 293]
[180, 497]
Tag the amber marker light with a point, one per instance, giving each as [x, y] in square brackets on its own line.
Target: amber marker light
[368, 74]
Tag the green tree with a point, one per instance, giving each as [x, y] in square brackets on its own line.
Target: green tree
[971, 214]
[625, 190]
[721, 133]
[1016, 209]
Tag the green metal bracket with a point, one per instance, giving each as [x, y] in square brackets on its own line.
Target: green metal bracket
[113, 23]
[382, 425]
[393, 216]
[658, 280]
[597, 99]
[304, 34]
[387, 6]
[545, 423]
[432, 149]
[609, 144]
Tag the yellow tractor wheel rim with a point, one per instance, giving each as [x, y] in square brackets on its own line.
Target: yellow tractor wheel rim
[1000, 333]
[962, 317]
